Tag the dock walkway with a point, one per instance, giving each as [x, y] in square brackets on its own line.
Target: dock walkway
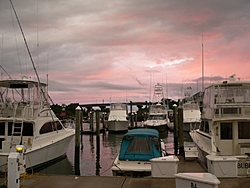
[71, 181]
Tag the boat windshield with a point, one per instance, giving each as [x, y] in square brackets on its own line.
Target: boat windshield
[232, 93]
[191, 106]
[157, 117]
[140, 145]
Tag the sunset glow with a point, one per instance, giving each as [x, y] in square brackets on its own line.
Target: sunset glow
[114, 51]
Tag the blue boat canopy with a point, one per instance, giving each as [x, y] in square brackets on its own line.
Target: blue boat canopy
[140, 145]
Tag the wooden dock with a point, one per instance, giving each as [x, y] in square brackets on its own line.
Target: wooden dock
[71, 181]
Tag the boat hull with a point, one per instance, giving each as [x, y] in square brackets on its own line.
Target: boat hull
[118, 126]
[131, 168]
[159, 128]
[205, 141]
[41, 155]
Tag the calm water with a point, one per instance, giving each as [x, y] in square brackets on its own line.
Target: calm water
[109, 148]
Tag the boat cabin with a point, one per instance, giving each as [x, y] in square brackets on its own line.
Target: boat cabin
[226, 116]
[140, 145]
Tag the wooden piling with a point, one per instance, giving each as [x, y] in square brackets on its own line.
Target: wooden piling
[81, 120]
[175, 130]
[91, 121]
[132, 120]
[131, 114]
[97, 143]
[181, 132]
[77, 141]
[135, 119]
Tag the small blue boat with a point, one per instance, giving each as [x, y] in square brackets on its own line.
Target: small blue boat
[137, 148]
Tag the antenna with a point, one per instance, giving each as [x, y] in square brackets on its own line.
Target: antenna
[26, 44]
[202, 64]
[2, 56]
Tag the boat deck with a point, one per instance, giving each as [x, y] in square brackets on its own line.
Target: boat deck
[64, 181]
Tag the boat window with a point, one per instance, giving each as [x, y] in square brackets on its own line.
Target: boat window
[140, 145]
[9, 128]
[58, 125]
[206, 127]
[202, 127]
[156, 117]
[28, 129]
[50, 126]
[231, 110]
[226, 132]
[46, 128]
[244, 130]
[2, 128]
[234, 93]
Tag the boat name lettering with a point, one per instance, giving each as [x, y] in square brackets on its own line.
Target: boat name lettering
[243, 165]
[193, 185]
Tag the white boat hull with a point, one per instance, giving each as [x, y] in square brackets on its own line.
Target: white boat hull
[159, 127]
[42, 154]
[134, 168]
[203, 144]
[118, 126]
[48, 153]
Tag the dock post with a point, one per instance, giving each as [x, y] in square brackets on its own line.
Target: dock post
[77, 141]
[181, 133]
[131, 109]
[81, 120]
[135, 119]
[91, 121]
[97, 143]
[132, 120]
[175, 130]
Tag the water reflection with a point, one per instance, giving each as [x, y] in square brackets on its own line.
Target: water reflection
[92, 164]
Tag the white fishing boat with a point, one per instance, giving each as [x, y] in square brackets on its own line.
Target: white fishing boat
[118, 118]
[191, 116]
[157, 118]
[191, 111]
[27, 119]
[158, 114]
[225, 123]
[138, 147]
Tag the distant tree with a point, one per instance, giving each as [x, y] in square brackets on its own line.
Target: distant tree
[57, 109]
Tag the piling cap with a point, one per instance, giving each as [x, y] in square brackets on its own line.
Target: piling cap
[78, 108]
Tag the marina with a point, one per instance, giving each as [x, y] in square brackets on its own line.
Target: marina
[71, 181]
[94, 173]
[199, 141]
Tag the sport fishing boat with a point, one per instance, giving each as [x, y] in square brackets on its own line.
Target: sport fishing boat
[118, 118]
[191, 111]
[225, 123]
[158, 114]
[191, 116]
[137, 148]
[27, 119]
[157, 118]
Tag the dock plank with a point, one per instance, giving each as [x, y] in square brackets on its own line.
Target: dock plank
[71, 181]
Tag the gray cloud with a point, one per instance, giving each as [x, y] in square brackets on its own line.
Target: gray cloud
[95, 46]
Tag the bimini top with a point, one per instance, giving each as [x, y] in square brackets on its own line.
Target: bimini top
[20, 83]
[140, 145]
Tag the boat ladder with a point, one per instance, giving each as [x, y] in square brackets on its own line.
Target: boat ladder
[17, 129]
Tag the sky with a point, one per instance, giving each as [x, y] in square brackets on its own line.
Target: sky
[96, 51]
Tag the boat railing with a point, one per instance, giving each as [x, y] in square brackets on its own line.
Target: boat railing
[231, 109]
[18, 110]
